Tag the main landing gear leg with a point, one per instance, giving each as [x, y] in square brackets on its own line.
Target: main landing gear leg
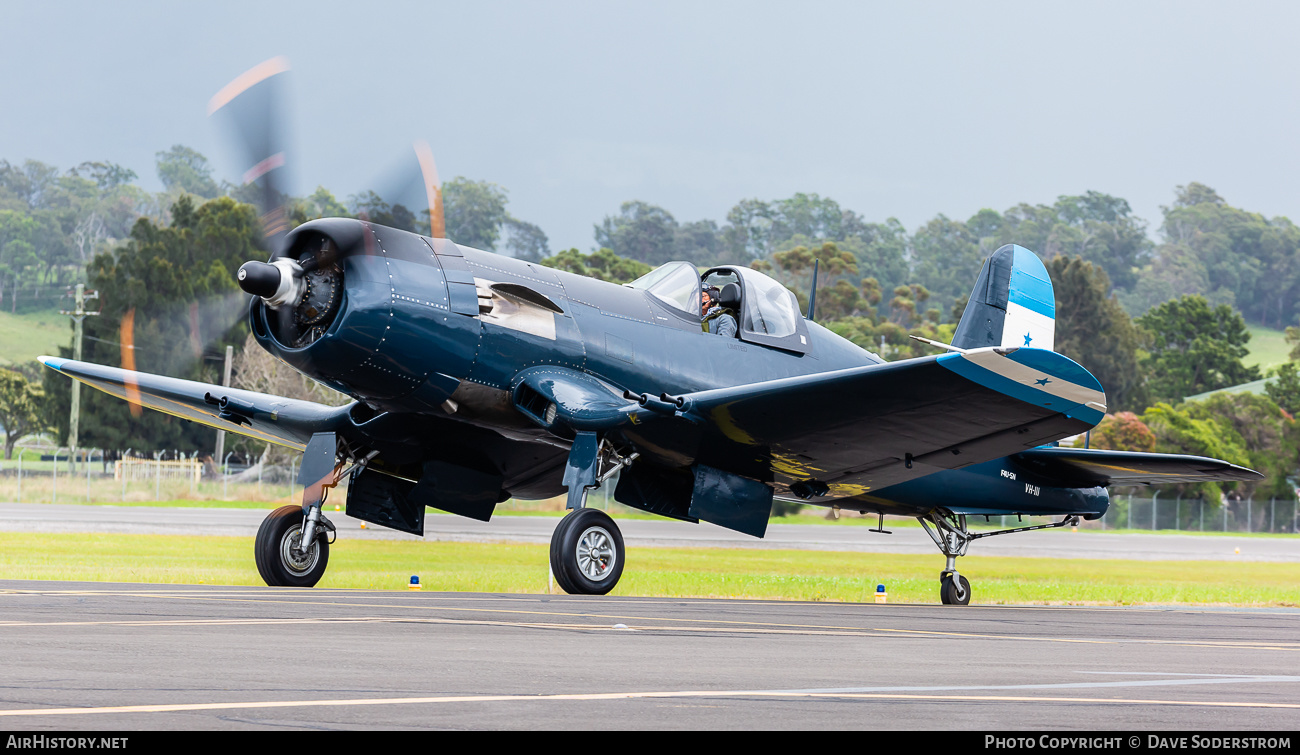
[292, 545]
[587, 547]
[950, 534]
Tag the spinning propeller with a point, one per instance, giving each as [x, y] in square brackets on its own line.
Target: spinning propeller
[303, 290]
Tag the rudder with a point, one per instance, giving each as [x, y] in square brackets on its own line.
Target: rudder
[1012, 304]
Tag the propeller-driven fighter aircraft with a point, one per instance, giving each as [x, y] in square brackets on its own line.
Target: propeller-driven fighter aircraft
[477, 377]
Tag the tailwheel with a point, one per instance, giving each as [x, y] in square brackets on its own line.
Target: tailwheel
[954, 589]
[949, 532]
[278, 550]
[587, 553]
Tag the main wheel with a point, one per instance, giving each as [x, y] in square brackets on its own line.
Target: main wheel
[276, 551]
[954, 592]
[587, 553]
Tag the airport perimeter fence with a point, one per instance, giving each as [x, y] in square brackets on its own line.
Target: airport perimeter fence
[53, 475]
[1162, 512]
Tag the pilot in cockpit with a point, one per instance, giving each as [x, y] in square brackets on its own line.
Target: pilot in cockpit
[719, 316]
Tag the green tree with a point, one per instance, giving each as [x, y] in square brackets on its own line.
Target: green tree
[1093, 226]
[1178, 431]
[1194, 348]
[602, 264]
[1095, 331]
[526, 241]
[21, 408]
[1256, 424]
[107, 176]
[372, 207]
[947, 259]
[1122, 431]
[1226, 254]
[184, 169]
[1284, 389]
[18, 231]
[747, 235]
[905, 309]
[322, 204]
[700, 242]
[178, 284]
[474, 212]
[641, 231]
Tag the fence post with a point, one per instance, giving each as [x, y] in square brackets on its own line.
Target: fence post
[1178, 513]
[20, 475]
[1202, 510]
[1224, 505]
[88, 454]
[54, 493]
[1249, 512]
[1272, 513]
[193, 478]
[157, 476]
[225, 479]
[1130, 510]
[1154, 498]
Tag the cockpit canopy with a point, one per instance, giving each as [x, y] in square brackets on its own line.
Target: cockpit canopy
[769, 312]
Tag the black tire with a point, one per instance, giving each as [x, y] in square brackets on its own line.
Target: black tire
[954, 592]
[587, 553]
[280, 530]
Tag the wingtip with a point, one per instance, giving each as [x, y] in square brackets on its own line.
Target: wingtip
[54, 363]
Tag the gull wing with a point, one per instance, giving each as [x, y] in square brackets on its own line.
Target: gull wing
[283, 421]
[845, 432]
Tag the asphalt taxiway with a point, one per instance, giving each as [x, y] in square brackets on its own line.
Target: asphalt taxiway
[125, 656]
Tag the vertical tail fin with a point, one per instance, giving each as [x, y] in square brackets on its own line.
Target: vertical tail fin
[1012, 304]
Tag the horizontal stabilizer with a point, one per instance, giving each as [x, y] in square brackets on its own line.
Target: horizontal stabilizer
[283, 421]
[1080, 467]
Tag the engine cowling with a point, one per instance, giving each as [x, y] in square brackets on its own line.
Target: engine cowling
[363, 309]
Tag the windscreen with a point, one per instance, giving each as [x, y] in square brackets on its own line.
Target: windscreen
[675, 283]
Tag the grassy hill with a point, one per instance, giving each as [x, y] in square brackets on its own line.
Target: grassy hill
[1268, 348]
[23, 337]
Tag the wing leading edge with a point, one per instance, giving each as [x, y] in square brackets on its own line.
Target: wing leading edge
[848, 431]
[283, 421]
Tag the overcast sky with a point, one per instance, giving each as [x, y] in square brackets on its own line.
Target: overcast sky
[893, 109]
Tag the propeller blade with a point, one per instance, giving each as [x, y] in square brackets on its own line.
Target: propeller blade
[433, 190]
[250, 104]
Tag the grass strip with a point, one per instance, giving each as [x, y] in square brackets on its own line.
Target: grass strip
[659, 572]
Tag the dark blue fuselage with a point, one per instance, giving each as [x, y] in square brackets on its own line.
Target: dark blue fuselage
[426, 326]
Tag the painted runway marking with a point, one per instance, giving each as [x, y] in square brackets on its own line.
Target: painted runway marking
[861, 693]
[673, 625]
[704, 629]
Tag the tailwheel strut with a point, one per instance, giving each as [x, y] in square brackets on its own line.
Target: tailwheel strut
[949, 532]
